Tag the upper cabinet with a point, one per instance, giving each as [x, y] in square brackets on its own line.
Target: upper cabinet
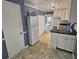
[63, 10]
[67, 13]
[63, 14]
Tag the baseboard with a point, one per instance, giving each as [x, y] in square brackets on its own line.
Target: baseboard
[18, 52]
[27, 46]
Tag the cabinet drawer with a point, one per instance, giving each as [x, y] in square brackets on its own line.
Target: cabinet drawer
[61, 36]
[71, 36]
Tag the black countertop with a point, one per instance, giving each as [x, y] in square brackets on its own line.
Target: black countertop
[63, 32]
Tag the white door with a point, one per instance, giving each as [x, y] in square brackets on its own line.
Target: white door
[12, 27]
[41, 24]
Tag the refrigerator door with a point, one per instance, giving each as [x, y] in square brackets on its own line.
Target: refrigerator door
[34, 21]
[35, 35]
[33, 27]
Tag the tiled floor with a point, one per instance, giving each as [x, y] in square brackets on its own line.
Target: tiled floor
[42, 51]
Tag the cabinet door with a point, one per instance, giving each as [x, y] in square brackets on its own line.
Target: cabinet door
[61, 41]
[70, 43]
[54, 40]
[61, 14]
[67, 13]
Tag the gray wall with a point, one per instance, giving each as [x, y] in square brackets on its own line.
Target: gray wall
[73, 11]
[4, 50]
[72, 19]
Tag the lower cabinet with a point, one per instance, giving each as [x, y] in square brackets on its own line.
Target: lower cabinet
[70, 43]
[66, 42]
[61, 43]
[54, 40]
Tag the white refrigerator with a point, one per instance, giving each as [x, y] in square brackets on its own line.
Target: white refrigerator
[41, 24]
[33, 28]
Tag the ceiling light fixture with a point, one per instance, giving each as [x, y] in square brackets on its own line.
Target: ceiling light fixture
[53, 5]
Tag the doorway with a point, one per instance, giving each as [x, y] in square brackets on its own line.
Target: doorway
[48, 23]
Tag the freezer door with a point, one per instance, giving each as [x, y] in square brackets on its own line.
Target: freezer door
[35, 35]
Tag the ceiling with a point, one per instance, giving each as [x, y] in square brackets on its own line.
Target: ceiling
[49, 5]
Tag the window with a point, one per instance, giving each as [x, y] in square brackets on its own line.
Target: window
[49, 19]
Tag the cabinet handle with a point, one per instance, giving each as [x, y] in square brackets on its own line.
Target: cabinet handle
[20, 33]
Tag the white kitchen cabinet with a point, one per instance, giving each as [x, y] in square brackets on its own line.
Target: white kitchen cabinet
[61, 41]
[66, 42]
[70, 42]
[63, 14]
[67, 13]
[54, 40]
